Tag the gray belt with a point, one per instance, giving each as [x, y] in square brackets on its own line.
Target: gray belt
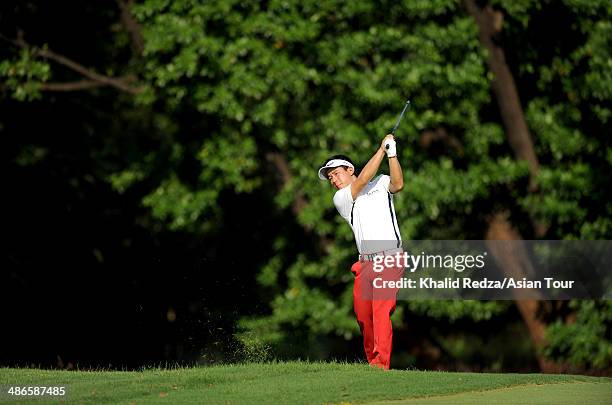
[370, 257]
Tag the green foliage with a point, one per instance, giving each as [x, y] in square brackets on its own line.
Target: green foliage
[596, 53]
[443, 191]
[121, 181]
[173, 201]
[312, 78]
[232, 84]
[568, 118]
[586, 342]
[31, 155]
[229, 162]
[23, 75]
[454, 310]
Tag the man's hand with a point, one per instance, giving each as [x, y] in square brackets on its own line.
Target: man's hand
[388, 145]
[389, 138]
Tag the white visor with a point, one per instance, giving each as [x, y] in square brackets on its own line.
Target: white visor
[332, 164]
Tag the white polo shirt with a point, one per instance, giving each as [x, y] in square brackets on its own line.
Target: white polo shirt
[371, 215]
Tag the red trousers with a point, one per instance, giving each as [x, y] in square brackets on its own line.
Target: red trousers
[373, 307]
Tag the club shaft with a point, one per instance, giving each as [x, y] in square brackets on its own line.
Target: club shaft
[399, 119]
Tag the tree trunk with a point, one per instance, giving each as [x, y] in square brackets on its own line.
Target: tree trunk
[490, 23]
[513, 264]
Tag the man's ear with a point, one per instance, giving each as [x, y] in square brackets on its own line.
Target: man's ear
[350, 171]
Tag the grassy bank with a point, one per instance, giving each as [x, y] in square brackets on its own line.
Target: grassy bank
[305, 383]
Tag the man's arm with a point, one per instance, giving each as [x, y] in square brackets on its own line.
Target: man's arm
[371, 168]
[397, 177]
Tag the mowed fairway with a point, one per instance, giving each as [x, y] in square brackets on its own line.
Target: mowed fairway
[307, 383]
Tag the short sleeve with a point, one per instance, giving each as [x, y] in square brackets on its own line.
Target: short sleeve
[343, 200]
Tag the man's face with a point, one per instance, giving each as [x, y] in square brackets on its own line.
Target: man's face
[340, 177]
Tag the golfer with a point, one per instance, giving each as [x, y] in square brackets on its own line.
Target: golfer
[366, 203]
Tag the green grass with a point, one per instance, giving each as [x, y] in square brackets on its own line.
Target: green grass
[307, 383]
[545, 394]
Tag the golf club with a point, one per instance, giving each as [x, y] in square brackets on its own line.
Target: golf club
[399, 119]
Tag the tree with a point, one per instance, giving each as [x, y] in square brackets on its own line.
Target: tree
[247, 100]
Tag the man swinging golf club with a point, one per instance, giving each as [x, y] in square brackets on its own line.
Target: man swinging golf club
[366, 203]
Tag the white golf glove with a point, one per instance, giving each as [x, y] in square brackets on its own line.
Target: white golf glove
[390, 148]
